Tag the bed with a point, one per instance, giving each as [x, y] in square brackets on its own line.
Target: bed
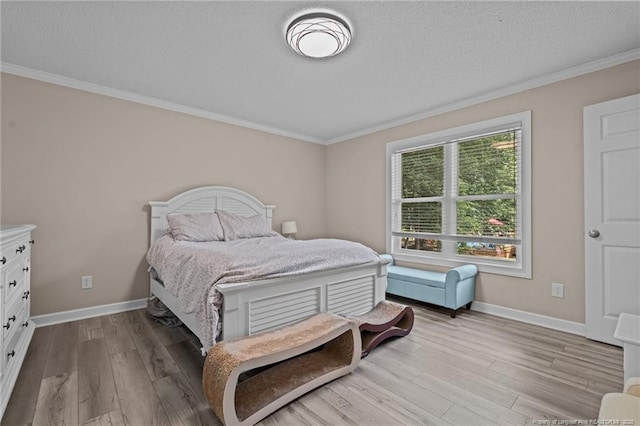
[264, 305]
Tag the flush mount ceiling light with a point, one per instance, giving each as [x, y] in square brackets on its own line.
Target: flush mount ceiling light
[318, 34]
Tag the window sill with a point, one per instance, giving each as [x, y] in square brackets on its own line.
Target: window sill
[483, 265]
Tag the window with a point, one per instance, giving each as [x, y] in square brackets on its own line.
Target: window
[462, 195]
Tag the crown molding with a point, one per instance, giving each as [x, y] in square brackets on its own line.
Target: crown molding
[555, 77]
[47, 77]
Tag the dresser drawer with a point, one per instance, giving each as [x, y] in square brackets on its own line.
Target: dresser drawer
[9, 351]
[15, 280]
[17, 249]
[13, 318]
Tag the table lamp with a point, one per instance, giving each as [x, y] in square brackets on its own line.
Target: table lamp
[289, 229]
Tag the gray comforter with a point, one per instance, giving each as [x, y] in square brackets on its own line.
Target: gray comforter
[190, 270]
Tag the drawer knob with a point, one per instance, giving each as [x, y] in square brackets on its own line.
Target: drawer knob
[25, 269]
[11, 354]
[20, 249]
[4, 260]
[26, 324]
[7, 325]
[26, 294]
[13, 283]
[32, 242]
[12, 318]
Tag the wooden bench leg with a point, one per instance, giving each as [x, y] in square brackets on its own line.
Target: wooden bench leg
[455, 311]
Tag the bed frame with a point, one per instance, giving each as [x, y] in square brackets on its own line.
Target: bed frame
[258, 306]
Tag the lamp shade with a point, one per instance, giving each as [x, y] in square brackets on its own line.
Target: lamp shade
[289, 227]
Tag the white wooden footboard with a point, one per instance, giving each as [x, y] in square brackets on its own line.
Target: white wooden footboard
[250, 308]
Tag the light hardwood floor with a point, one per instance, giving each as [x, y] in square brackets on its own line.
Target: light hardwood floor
[476, 369]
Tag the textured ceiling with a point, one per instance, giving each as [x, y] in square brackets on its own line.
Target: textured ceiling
[230, 58]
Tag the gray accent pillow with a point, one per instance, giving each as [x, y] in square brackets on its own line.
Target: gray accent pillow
[197, 227]
[237, 227]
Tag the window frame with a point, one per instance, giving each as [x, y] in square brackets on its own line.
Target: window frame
[522, 266]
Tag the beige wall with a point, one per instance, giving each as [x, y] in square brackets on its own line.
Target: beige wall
[356, 186]
[83, 166]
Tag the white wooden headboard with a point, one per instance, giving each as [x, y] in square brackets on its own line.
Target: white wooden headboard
[207, 199]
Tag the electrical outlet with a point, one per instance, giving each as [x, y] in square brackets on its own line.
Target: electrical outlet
[557, 290]
[87, 282]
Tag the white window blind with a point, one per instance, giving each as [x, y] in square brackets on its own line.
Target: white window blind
[465, 189]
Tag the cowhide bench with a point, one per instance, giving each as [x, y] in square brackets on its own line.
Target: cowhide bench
[387, 319]
[247, 379]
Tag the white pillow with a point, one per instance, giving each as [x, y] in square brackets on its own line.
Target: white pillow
[197, 227]
[237, 227]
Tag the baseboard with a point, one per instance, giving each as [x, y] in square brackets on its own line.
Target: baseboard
[83, 313]
[530, 318]
[499, 311]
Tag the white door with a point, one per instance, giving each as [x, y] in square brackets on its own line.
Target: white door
[612, 214]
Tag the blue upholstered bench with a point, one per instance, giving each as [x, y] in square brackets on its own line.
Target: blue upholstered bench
[452, 290]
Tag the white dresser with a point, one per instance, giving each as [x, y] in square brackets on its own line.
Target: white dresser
[15, 300]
